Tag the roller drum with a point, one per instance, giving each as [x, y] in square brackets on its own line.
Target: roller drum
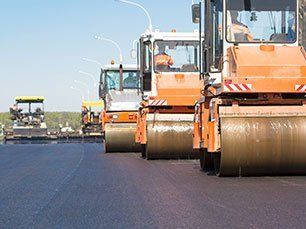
[263, 146]
[170, 140]
[120, 137]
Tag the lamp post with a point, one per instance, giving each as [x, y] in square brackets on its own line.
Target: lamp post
[114, 43]
[93, 61]
[141, 7]
[91, 76]
[79, 91]
[120, 58]
[100, 65]
[85, 85]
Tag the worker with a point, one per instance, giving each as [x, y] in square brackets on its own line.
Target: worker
[162, 60]
[110, 82]
[291, 35]
[38, 111]
[131, 81]
[237, 29]
[15, 112]
[84, 114]
[14, 108]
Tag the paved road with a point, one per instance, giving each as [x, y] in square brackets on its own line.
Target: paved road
[78, 186]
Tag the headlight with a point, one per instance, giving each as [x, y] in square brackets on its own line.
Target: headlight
[115, 116]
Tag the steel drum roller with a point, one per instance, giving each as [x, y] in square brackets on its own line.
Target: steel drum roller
[120, 137]
[170, 140]
[263, 145]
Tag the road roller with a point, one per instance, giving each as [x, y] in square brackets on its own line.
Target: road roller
[251, 117]
[169, 69]
[120, 90]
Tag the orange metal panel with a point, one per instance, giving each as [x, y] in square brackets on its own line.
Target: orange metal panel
[121, 117]
[211, 139]
[103, 119]
[205, 123]
[196, 135]
[197, 128]
[266, 68]
[179, 89]
[141, 130]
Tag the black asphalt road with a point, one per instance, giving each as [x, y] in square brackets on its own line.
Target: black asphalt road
[78, 186]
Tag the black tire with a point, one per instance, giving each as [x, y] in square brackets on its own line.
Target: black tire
[104, 147]
[206, 161]
[217, 162]
[143, 151]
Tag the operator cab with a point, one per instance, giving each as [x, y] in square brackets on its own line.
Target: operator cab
[28, 111]
[28, 117]
[167, 53]
[111, 79]
[120, 87]
[245, 23]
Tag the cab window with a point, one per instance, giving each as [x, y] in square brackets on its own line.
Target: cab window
[176, 56]
[261, 21]
[130, 80]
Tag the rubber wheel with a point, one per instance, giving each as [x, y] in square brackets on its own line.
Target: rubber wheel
[216, 162]
[206, 161]
[143, 151]
[104, 146]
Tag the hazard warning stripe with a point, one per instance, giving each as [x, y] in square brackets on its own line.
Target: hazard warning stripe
[300, 88]
[237, 87]
[158, 102]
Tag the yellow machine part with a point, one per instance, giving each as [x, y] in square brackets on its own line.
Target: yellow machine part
[29, 99]
[93, 104]
[120, 137]
[170, 139]
[263, 144]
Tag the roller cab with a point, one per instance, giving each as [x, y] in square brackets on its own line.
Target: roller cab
[251, 117]
[120, 90]
[170, 87]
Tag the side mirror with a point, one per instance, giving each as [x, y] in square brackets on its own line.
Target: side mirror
[102, 86]
[133, 54]
[196, 12]
[102, 91]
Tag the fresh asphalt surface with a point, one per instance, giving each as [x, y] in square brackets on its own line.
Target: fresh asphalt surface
[78, 186]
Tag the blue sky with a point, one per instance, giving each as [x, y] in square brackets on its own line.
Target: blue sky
[42, 42]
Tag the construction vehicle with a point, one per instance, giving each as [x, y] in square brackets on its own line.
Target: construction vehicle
[302, 23]
[251, 118]
[119, 88]
[91, 117]
[169, 68]
[90, 130]
[28, 119]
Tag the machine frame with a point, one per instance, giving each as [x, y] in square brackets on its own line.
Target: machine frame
[251, 92]
[120, 112]
[168, 102]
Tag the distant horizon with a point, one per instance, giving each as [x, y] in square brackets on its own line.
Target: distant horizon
[43, 43]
